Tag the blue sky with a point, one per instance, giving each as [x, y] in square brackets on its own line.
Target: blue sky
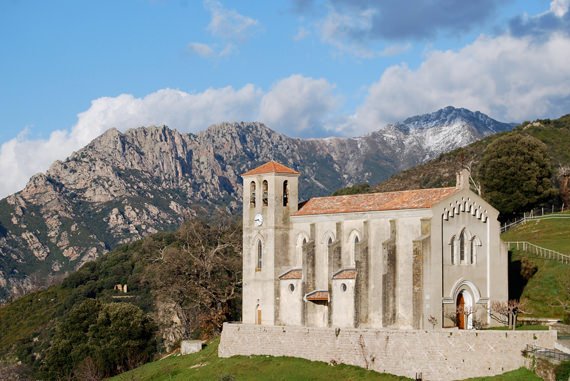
[69, 70]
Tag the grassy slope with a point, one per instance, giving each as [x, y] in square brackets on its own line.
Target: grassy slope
[542, 287]
[547, 232]
[206, 365]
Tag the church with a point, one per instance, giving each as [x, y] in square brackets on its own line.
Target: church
[413, 259]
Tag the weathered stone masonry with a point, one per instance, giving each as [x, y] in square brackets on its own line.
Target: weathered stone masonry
[438, 354]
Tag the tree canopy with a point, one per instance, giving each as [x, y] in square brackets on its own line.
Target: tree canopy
[515, 174]
[100, 339]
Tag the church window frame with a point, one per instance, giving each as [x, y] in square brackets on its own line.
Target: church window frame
[452, 249]
[302, 239]
[252, 194]
[285, 193]
[259, 264]
[353, 240]
[265, 188]
[462, 246]
[475, 242]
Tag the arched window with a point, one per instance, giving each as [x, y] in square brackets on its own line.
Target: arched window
[330, 241]
[265, 193]
[462, 246]
[471, 252]
[252, 194]
[259, 255]
[475, 242]
[452, 243]
[285, 193]
[354, 251]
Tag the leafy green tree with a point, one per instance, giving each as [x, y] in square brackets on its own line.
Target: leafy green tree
[69, 345]
[515, 174]
[102, 339]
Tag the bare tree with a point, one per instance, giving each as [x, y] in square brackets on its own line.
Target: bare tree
[507, 312]
[201, 273]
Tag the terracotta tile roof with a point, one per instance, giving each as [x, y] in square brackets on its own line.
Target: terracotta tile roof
[271, 167]
[317, 295]
[345, 274]
[369, 202]
[292, 274]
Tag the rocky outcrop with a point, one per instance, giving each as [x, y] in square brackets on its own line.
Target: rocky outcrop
[123, 186]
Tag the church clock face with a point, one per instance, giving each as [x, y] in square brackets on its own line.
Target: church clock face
[258, 219]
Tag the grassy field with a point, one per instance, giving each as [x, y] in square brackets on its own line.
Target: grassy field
[206, 365]
[544, 231]
[542, 288]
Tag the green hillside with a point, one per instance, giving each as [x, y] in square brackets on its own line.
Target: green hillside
[189, 269]
[206, 365]
[543, 288]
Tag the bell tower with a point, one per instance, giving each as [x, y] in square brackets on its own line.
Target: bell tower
[270, 197]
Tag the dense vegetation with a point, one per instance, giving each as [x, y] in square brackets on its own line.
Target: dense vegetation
[69, 330]
[515, 174]
[440, 172]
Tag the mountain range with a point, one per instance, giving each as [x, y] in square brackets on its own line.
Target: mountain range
[124, 186]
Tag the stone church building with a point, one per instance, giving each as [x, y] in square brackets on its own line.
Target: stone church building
[403, 259]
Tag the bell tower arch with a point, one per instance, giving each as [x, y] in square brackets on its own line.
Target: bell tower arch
[270, 197]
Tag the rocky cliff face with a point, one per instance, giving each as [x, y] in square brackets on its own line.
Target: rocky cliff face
[123, 186]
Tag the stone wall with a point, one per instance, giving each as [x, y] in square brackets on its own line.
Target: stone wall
[438, 354]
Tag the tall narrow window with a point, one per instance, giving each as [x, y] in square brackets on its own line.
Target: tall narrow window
[472, 251]
[265, 193]
[259, 255]
[462, 247]
[252, 194]
[285, 193]
[453, 250]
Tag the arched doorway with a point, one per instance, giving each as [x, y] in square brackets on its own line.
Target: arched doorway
[459, 311]
[464, 310]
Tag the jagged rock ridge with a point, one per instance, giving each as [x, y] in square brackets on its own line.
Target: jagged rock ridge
[123, 186]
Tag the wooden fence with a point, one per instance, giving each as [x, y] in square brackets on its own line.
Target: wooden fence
[539, 251]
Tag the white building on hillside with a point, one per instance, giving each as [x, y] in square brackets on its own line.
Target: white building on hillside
[397, 259]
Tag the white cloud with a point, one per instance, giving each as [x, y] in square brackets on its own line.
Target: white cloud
[24, 156]
[336, 29]
[508, 78]
[559, 7]
[203, 50]
[298, 106]
[230, 27]
[228, 24]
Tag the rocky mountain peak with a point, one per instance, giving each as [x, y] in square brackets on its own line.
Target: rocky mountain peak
[123, 186]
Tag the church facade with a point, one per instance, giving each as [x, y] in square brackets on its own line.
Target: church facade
[411, 259]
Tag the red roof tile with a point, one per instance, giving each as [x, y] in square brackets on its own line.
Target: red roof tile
[292, 274]
[318, 295]
[271, 167]
[369, 202]
[345, 274]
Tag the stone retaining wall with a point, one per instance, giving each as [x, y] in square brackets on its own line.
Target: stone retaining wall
[438, 354]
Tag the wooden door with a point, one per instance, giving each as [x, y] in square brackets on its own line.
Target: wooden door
[259, 317]
[460, 314]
